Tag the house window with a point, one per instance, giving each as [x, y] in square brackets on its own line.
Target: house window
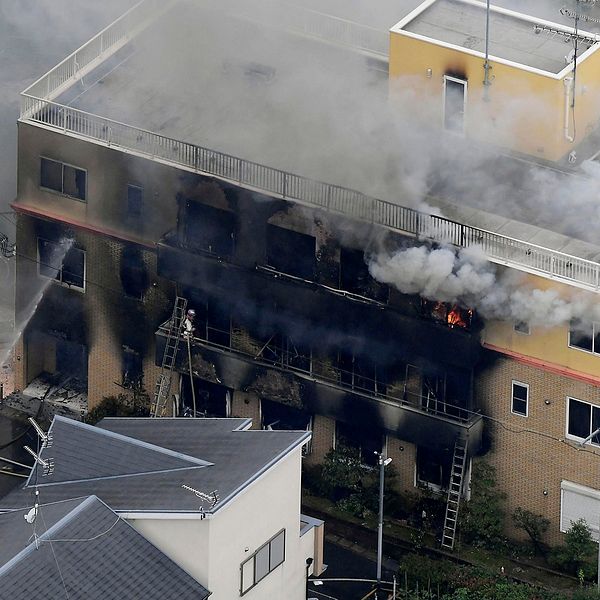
[355, 276]
[61, 262]
[133, 272]
[134, 201]
[433, 467]
[585, 337]
[266, 559]
[520, 398]
[522, 327]
[63, 178]
[455, 101]
[209, 229]
[579, 502]
[582, 419]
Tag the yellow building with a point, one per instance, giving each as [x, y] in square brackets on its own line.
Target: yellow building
[532, 90]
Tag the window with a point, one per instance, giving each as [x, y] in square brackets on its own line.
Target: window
[579, 502]
[209, 229]
[266, 559]
[365, 440]
[582, 419]
[520, 397]
[355, 276]
[585, 336]
[134, 201]
[62, 262]
[132, 368]
[522, 327]
[133, 272]
[455, 100]
[291, 252]
[361, 373]
[433, 467]
[63, 178]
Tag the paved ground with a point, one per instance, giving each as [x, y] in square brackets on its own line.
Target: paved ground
[345, 559]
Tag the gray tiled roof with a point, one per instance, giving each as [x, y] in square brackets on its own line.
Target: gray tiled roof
[85, 552]
[236, 457]
[84, 452]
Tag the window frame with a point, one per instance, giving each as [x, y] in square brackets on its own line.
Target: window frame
[592, 406]
[522, 327]
[129, 213]
[267, 544]
[62, 192]
[465, 84]
[512, 398]
[595, 327]
[57, 280]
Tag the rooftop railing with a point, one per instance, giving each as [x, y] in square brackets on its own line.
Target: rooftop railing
[102, 45]
[316, 194]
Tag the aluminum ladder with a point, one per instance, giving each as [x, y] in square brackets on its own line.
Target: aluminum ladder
[163, 383]
[457, 473]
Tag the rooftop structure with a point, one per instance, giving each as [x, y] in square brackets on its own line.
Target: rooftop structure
[82, 549]
[219, 127]
[514, 37]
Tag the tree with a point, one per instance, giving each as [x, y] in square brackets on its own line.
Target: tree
[534, 525]
[136, 405]
[483, 517]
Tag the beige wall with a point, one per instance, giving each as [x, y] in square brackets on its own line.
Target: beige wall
[213, 550]
[532, 454]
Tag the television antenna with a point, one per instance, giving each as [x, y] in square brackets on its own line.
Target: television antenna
[46, 438]
[46, 464]
[210, 499]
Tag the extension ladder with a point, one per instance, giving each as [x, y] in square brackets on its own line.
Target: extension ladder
[457, 473]
[163, 383]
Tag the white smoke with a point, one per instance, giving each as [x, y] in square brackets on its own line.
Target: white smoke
[468, 279]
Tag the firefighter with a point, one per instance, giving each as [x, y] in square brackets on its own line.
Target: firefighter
[188, 323]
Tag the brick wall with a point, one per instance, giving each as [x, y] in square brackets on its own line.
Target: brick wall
[247, 406]
[323, 432]
[403, 455]
[532, 454]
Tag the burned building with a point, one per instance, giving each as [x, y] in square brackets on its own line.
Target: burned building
[144, 180]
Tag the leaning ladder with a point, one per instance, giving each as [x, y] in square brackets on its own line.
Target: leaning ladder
[163, 383]
[457, 473]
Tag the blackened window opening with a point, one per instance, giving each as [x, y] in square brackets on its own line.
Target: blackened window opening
[281, 417]
[361, 373]
[366, 440]
[209, 229]
[355, 276]
[62, 262]
[134, 275]
[452, 315]
[212, 323]
[285, 351]
[132, 368]
[433, 467]
[135, 198]
[291, 252]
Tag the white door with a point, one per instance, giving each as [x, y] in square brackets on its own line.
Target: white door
[455, 103]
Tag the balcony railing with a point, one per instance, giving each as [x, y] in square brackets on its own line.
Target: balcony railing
[332, 198]
[306, 365]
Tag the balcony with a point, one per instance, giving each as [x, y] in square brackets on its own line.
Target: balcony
[317, 306]
[297, 378]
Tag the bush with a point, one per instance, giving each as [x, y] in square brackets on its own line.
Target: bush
[483, 516]
[137, 405]
[342, 472]
[577, 555]
[534, 525]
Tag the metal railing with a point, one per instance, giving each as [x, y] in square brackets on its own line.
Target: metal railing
[307, 365]
[105, 43]
[334, 29]
[332, 198]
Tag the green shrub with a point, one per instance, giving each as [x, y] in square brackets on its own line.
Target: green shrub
[578, 554]
[534, 525]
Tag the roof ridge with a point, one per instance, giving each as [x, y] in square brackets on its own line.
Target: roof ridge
[131, 440]
[56, 527]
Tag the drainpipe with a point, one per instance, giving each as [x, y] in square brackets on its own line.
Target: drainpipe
[568, 81]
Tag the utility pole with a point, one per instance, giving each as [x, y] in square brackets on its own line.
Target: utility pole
[383, 462]
[486, 64]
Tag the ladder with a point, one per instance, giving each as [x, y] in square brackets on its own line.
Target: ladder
[457, 472]
[163, 383]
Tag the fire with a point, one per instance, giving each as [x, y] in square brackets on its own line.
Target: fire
[458, 317]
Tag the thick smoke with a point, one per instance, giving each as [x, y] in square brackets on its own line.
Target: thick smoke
[468, 279]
